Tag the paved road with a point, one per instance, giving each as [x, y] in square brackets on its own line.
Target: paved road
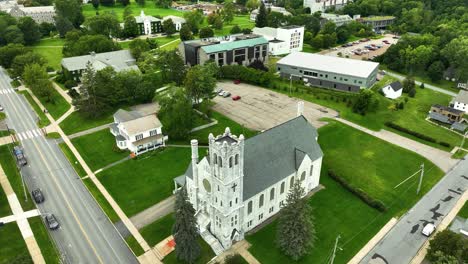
[428, 86]
[86, 235]
[402, 243]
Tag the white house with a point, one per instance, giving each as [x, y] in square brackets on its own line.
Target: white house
[178, 21]
[460, 102]
[243, 182]
[137, 132]
[393, 90]
[148, 25]
[322, 5]
[282, 40]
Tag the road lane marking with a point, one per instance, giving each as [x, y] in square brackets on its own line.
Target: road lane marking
[59, 188]
[20, 136]
[30, 135]
[36, 134]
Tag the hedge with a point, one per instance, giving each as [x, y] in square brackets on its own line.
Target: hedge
[416, 134]
[374, 203]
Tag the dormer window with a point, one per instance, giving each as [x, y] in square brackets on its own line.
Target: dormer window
[139, 137]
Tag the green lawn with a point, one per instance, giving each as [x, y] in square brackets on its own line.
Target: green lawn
[13, 248]
[147, 179]
[51, 50]
[161, 41]
[8, 163]
[53, 135]
[57, 105]
[101, 200]
[459, 154]
[149, 8]
[206, 254]
[72, 159]
[99, 149]
[158, 230]
[76, 122]
[48, 250]
[133, 244]
[4, 133]
[4, 206]
[339, 212]
[243, 21]
[43, 120]
[172, 45]
[2, 116]
[464, 211]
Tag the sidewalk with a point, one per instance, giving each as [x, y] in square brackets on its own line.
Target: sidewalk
[6, 140]
[240, 248]
[89, 131]
[22, 219]
[63, 93]
[440, 158]
[154, 213]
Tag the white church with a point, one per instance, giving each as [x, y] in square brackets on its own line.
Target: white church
[243, 182]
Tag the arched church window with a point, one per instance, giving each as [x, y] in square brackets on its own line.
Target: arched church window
[230, 162]
[249, 207]
[311, 169]
[260, 202]
[282, 188]
[291, 182]
[303, 175]
[215, 158]
[236, 159]
[220, 162]
[272, 194]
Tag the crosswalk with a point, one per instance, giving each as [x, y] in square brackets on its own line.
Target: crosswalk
[20, 136]
[7, 91]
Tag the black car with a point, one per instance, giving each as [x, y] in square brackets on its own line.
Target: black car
[51, 222]
[38, 196]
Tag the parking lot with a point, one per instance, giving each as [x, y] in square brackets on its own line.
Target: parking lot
[349, 51]
[261, 109]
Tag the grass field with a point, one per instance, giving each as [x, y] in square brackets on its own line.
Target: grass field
[158, 230]
[99, 149]
[243, 21]
[48, 250]
[72, 159]
[101, 200]
[43, 120]
[149, 8]
[4, 206]
[8, 163]
[464, 211]
[57, 105]
[206, 255]
[338, 211]
[146, 180]
[133, 244]
[76, 122]
[51, 49]
[13, 248]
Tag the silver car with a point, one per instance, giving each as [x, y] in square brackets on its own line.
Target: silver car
[51, 222]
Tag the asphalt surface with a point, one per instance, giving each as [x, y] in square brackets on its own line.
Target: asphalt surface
[405, 239]
[85, 235]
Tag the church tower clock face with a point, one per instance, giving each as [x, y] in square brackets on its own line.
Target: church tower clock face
[207, 185]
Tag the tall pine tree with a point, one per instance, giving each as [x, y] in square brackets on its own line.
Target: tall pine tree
[184, 230]
[262, 17]
[295, 233]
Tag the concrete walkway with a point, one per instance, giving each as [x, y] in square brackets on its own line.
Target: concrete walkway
[154, 213]
[63, 93]
[6, 140]
[69, 112]
[113, 164]
[426, 85]
[89, 131]
[23, 215]
[240, 248]
[439, 157]
[21, 219]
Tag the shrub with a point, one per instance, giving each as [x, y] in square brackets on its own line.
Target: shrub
[411, 132]
[70, 84]
[422, 86]
[450, 244]
[374, 203]
[412, 92]
[445, 144]
[234, 259]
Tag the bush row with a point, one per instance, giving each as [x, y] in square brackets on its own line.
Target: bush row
[374, 203]
[416, 134]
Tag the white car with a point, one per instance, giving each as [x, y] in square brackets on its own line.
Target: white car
[1, 108]
[428, 229]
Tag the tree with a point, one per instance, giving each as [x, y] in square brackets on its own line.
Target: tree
[141, 2]
[441, 258]
[228, 11]
[252, 5]
[206, 32]
[342, 34]
[131, 28]
[106, 24]
[317, 41]
[176, 113]
[69, 10]
[163, 3]
[184, 230]
[412, 92]
[46, 29]
[137, 47]
[295, 232]
[107, 2]
[95, 4]
[9, 52]
[124, 2]
[77, 44]
[194, 19]
[421, 86]
[13, 34]
[235, 29]
[408, 84]
[171, 65]
[275, 19]
[185, 33]
[36, 77]
[448, 243]
[234, 259]
[20, 62]
[215, 20]
[169, 27]
[261, 20]
[31, 30]
[63, 25]
[127, 12]
[365, 102]
[199, 83]
[436, 71]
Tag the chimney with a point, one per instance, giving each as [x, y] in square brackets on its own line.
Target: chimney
[300, 108]
[194, 144]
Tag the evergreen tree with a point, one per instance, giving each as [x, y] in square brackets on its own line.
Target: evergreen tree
[169, 27]
[184, 230]
[262, 17]
[95, 4]
[295, 234]
[130, 27]
[31, 30]
[185, 33]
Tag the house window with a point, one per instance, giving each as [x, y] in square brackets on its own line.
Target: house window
[230, 203]
[282, 188]
[215, 158]
[272, 194]
[271, 209]
[249, 207]
[260, 216]
[220, 162]
[260, 202]
[230, 162]
[303, 175]
[236, 159]
[236, 200]
[249, 224]
[139, 137]
[311, 169]
[291, 182]
[153, 132]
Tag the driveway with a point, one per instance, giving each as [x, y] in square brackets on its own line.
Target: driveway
[260, 109]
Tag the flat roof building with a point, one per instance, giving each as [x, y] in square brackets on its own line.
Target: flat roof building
[339, 20]
[282, 40]
[240, 49]
[328, 71]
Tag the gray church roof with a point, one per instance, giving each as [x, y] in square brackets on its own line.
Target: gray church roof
[275, 154]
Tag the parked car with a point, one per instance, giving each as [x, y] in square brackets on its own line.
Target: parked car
[428, 229]
[19, 155]
[38, 196]
[237, 81]
[236, 98]
[367, 46]
[356, 42]
[218, 90]
[51, 222]
[226, 94]
[1, 108]
[362, 40]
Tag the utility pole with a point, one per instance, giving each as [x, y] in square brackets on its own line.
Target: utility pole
[420, 178]
[334, 249]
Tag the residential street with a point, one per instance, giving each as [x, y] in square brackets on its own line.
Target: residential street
[404, 240]
[86, 235]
